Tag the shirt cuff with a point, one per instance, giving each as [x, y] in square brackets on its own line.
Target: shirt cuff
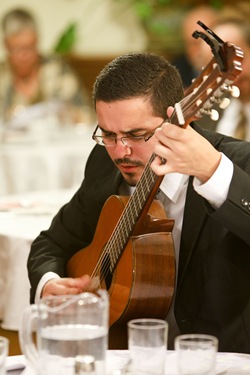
[215, 190]
[46, 277]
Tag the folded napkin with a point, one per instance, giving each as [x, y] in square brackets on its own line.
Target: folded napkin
[15, 363]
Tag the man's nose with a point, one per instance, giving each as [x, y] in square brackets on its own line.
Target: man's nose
[122, 148]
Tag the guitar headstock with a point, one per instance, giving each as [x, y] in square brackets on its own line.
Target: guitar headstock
[215, 80]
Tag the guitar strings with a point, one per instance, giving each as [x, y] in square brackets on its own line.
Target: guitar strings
[122, 224]
[125, 225]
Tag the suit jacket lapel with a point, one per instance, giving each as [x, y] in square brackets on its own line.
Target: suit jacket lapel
[107, 188]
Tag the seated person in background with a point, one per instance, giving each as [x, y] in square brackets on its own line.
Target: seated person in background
[235, 119]
[190, 62]
[205, 189]
[27, 78]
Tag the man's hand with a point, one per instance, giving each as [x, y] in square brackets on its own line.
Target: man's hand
[65, 285]
[185, 151]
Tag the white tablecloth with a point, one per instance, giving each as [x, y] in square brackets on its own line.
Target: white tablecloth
[226, 364]
[22, 217]
[55, 162]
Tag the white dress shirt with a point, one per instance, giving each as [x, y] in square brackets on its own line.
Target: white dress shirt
[173, 195]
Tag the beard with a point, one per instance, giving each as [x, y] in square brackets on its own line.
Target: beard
[130, 177]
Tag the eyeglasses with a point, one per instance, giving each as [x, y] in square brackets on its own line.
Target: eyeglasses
[110, 140]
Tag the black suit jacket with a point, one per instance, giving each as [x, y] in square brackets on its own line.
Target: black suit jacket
[213, 289]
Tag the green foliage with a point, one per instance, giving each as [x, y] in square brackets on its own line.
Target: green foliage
[67, 40]
[153, 13]
[145, 8]
[161, 20]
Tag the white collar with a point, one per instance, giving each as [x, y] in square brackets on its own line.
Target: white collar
[172, 185]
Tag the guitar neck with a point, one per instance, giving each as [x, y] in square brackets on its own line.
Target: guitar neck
[144, 194]
[134, 211]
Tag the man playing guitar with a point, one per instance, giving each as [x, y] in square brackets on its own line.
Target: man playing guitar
[202, 180]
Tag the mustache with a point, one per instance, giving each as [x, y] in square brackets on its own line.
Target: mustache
[126, 160]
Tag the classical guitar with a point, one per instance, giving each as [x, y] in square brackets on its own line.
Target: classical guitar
[132, 253]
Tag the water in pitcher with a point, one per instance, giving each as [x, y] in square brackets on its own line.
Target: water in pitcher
[60, 344]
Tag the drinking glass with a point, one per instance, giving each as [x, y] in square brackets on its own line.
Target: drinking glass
[71, 334]
[147, 343]
[196, 354]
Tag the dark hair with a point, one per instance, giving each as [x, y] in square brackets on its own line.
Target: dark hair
[140, 75]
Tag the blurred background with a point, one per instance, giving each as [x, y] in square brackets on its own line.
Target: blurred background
[92, 32]
[45, 133]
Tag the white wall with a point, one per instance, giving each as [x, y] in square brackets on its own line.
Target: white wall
[105, 27]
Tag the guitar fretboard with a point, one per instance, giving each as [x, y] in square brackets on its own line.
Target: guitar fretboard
[130, 215]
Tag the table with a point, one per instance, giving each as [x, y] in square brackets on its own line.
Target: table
[36, 162]
[22, 218]
[227, 363]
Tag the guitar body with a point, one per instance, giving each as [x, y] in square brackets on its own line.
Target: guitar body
[142, 283]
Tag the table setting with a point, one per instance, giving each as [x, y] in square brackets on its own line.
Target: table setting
[117, 360]
[72, 339]
[36, 210]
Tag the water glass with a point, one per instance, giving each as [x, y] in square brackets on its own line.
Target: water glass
[4, 350]
[196, 354]
[71, 334]
[147, 343]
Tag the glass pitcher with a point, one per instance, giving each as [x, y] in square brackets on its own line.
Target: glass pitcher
[71, 332]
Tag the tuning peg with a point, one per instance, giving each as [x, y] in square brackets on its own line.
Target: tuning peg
[214, 115]
[235, 91]
[224, 103]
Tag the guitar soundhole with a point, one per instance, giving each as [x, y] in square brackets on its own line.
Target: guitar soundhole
[106, 273]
